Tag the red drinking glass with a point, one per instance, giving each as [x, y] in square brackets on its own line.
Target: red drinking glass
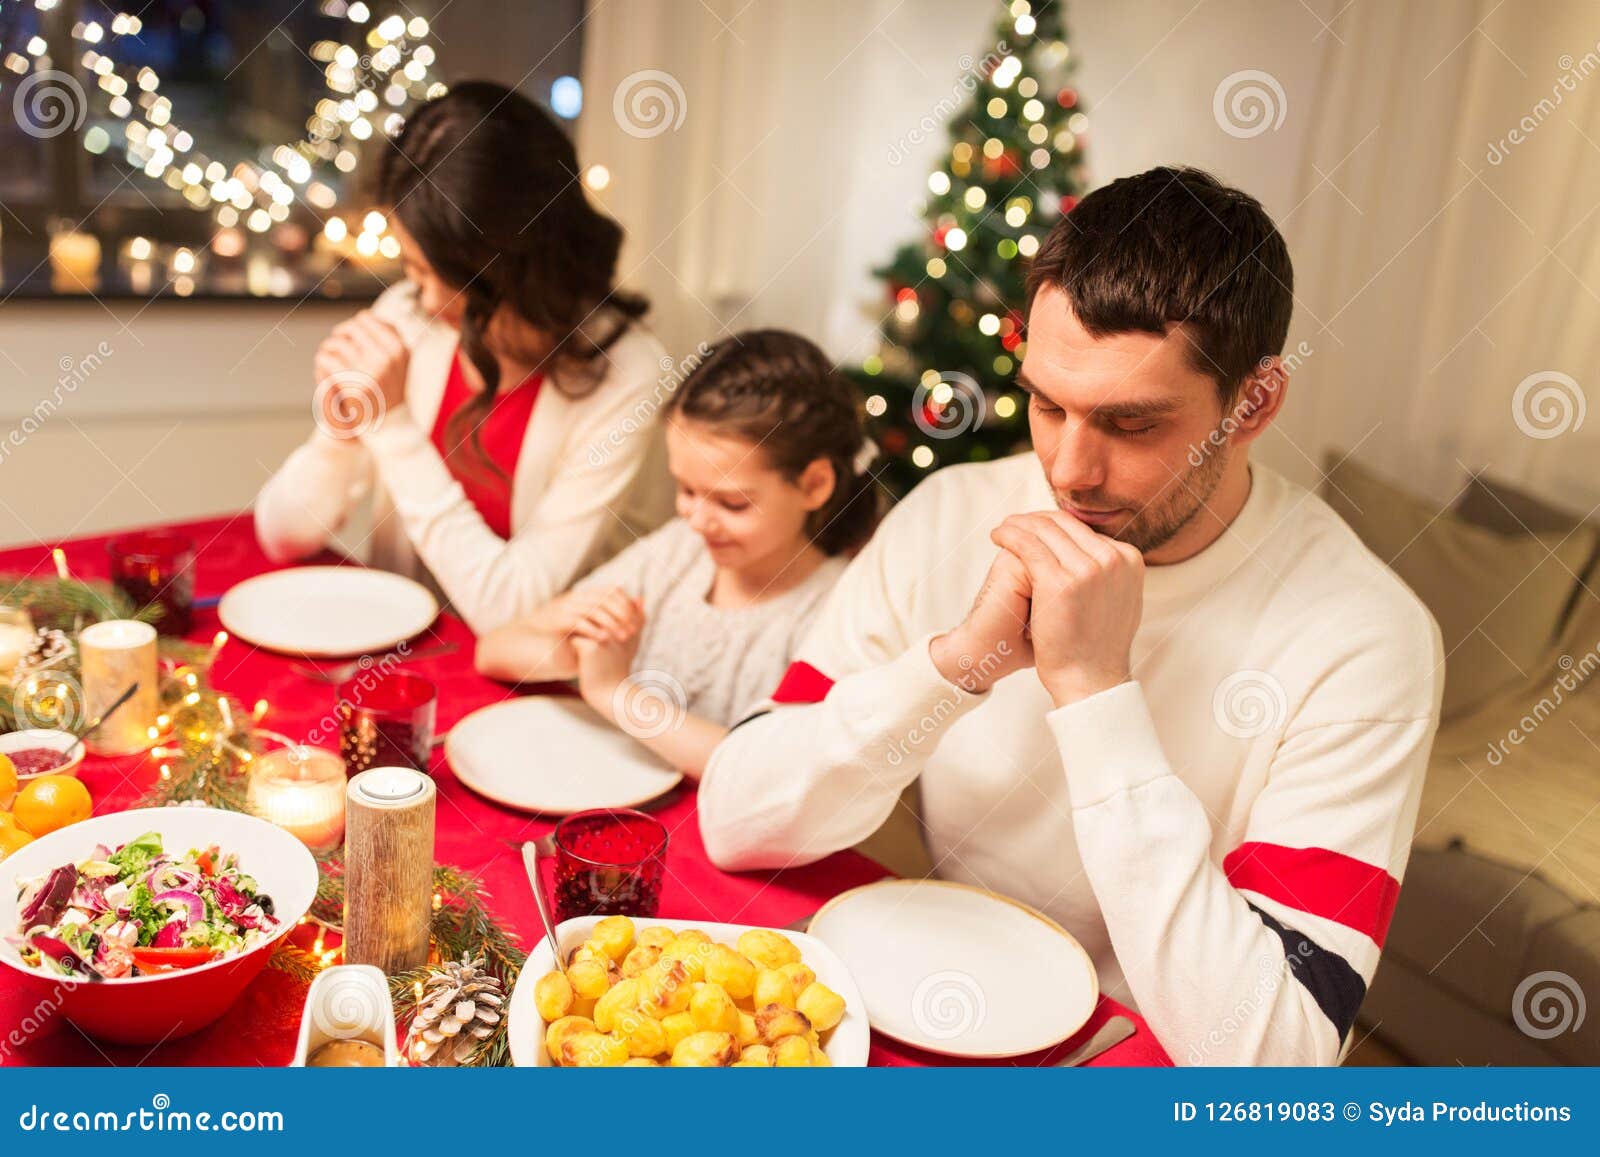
[385, 720]
[609, 862]
[156, 568]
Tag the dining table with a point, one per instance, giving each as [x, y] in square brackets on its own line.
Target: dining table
[480, 837]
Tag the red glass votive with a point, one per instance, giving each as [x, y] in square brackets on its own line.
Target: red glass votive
[385, 720]
[156, 568]
[609, 862]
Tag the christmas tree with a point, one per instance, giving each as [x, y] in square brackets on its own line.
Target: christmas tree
[940, 389]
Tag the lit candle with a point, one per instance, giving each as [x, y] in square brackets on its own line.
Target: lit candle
[301, 789]
[74, 262]
[16, 637]
[114, 656]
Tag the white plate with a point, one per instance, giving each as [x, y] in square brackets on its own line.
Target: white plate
[959, 971]
[846, 1045]
[553, 756]
[327, 611]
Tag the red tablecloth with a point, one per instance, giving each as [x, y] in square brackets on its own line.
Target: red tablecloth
[474, 834]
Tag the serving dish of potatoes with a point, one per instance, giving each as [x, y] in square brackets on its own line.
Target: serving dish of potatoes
[687, 994]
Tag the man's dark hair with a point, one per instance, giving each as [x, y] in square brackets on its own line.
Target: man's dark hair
[1175, 245]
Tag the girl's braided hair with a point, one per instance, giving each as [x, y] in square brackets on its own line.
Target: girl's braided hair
[780, 392]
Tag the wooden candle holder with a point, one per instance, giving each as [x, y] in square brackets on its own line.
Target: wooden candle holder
[388, 866]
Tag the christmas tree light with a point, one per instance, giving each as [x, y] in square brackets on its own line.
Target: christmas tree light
[940, 388]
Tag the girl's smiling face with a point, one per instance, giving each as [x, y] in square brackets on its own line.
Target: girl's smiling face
[730, 495]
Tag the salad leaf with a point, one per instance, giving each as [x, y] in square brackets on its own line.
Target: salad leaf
[135, 854]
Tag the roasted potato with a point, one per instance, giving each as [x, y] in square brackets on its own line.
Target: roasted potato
[593, 1050]
[705, 1050]
[774, 1022]
[799, 974]
[767, 948]
[652, 996]
[822, 1006]
[644, 1036]
[676, 1027]
[555, 1036]
[640, 958]
[713, 1009]
[754, 1057]
[734, 971]
[657, 936]
[622, 995]
[773, 987]
[791, 1052]
[664, 988]
[553, 996]
[613, 936]
[588, 977]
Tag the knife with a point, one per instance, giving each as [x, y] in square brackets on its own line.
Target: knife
[1112, 1033]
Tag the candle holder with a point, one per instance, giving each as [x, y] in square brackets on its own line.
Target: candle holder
[16, 637]
[388, 869]
[115, 655]
[386, 720]
[301, 789]
[609, 862]
[156, 568]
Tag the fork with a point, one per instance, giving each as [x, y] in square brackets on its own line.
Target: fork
[343, 671]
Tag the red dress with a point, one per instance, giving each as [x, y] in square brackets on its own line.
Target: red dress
[500, 434]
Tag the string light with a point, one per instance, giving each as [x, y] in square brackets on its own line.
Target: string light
[397, 63]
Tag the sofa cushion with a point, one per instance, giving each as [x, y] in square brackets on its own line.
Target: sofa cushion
[1499, 599]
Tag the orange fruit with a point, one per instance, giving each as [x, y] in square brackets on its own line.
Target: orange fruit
[51, 802]
[7, 820]
[8, 781]
[11, 839]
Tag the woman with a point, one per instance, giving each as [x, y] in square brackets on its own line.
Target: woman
[498, 406]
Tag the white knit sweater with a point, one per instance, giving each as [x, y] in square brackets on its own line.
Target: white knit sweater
[1225, 834]
[589, 479]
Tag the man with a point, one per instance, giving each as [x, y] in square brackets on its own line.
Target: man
[1157, 693]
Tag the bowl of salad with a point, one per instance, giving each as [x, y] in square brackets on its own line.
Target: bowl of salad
[141, 926]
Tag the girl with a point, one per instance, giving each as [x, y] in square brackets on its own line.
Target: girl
[480, 404]
[675, 638]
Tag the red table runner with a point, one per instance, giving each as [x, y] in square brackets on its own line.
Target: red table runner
[473, 834]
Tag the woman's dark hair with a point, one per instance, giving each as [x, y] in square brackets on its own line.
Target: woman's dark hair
[780, 392]
[489, 186]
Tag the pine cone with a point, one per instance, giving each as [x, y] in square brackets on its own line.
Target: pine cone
[456, 1015]
[48, 648]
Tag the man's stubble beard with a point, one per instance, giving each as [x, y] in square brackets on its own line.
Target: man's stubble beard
[1155, 524]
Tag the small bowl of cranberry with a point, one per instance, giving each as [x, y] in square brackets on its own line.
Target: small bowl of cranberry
[40, 751]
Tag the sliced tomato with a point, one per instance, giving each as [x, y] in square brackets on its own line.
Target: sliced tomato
[208, 861]
[170, 959]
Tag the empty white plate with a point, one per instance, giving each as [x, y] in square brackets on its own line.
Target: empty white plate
[957, 970]
[553, 756]
[327, 611]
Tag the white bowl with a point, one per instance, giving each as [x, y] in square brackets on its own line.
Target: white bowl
[847, 1045]
[148, 1009]
[42, 737]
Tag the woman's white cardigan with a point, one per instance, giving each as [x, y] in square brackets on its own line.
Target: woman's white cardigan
[590, 478]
